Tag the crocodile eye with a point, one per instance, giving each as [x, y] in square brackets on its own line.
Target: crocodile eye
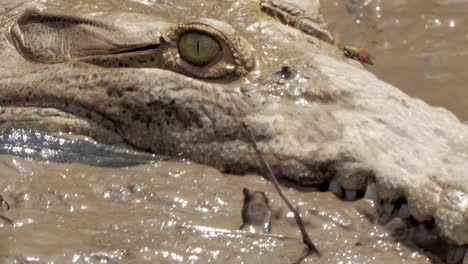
[206, 48]
[198, 48]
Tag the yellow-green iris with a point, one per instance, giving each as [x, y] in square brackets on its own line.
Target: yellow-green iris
[198, 48]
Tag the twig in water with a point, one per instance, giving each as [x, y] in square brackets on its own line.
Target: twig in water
[295, 210]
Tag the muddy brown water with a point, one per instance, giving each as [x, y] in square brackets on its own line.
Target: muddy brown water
[173, 212]
[180, 212]
[420, 46]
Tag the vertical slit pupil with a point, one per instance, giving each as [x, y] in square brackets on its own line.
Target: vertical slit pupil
[198, 47]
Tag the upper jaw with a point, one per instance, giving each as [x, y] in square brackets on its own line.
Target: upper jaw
[371, 133]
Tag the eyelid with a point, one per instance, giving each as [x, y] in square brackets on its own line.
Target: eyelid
[209, 44]
[235, 58]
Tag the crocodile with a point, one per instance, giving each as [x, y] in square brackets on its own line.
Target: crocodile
[184, 83]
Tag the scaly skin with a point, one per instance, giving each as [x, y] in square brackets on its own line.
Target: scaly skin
[319, 119]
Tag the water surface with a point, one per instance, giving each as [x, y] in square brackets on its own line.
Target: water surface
[420, 46]
[173, 212]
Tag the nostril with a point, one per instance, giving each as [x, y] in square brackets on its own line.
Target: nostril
[285, 73]
[282, 75]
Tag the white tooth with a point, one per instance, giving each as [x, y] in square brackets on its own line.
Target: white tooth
[404, 212]
[388, 208]
[371, 192]
[335, 188]
[465, 259]
[350, 195]
[455, 254]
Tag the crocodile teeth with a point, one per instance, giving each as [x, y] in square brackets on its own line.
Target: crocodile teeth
[388, 208]
[404, 212]
[455, 254]
[371, 192]
[350, 195]
[386, 213]
[335, 188]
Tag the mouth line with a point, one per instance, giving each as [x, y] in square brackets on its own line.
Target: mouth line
[109, 54]
[138, 50]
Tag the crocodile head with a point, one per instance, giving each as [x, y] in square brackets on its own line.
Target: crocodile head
[183, 83]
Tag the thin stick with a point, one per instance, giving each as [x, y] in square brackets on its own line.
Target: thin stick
[297, 216]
